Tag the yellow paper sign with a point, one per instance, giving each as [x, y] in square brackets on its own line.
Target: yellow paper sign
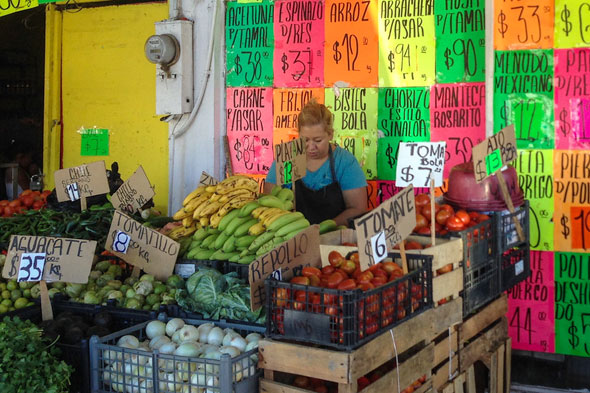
[8, 7]
[572, 23]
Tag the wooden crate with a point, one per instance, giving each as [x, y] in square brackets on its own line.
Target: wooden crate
[412, 338]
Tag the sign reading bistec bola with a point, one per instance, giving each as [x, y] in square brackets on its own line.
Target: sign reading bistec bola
[141, 246]
[385, 226]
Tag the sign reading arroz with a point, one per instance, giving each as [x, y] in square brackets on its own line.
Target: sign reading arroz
[81, 181]
[67, 260]
[141, 246]
[395, 217]
[291, 161]
[420, 162]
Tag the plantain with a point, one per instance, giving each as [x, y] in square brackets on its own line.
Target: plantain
[200, 234]
[256, 229]
[248, 208]
[237, 182]
[284, 220]
[273, 217]
[260, 240]
[227, 219]
[230, 244]
[220, 240]
[285, 194]
[211, 208]
[275, 190]
[245, 241]
[187, 221]
[243, 228]
[300, 223]
[258, 211]
[271, 201]
[269, 213]
[234, 224]
[196, 202]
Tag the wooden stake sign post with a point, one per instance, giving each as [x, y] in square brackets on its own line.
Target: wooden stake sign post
[141, 246]
[48, 259]
[382, 228]
[489, 157]
[81, 182]
[291, 163]
[423, 165]
[134, 193]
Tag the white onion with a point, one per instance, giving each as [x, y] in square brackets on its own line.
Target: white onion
[188, 333]
[199, 379]
[215, 336]
[227, 338]
[239, 343]
[173, 325]
[158, 341]
[155, 328]
[167, 348]
[146, 386]
[253, 337]
[176, 337]
[230, 350]
[204, 331]
[251, 345]
[132, 341]
[188, 349]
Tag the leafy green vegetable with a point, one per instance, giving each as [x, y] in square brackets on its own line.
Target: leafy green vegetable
[218, 296]
[28, 362]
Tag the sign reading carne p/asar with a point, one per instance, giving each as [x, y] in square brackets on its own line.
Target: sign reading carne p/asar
[291, 161]
[66, 260]
[145, 248]
[396, 217]
[81, 181]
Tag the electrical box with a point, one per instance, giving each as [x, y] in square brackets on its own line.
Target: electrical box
[171, 49]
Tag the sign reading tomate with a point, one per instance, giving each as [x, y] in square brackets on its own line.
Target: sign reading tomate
[396, 217]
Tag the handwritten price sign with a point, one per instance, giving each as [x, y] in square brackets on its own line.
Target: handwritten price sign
[291, 161]
[486, 155]
[572, 23]
[8, 7]
[422, 161]
[523, 26]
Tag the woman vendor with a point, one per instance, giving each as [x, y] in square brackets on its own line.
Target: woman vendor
[334, 186]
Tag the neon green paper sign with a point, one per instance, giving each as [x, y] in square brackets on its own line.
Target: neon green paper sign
[95, 142]
[493, 161]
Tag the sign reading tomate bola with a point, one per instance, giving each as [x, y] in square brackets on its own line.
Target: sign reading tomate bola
[141, 246]
[66, 260]
[395, 218]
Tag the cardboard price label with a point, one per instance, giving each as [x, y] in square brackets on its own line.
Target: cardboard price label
[290, 257]
[147, 249]
[90, 179]
[486, 160]
[67, 260]
[134, 193]
[396, 217]
[207, 180]
[419, 162]
[291, 161]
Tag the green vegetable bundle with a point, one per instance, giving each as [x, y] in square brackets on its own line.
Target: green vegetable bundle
[28, 362]
[218, 296]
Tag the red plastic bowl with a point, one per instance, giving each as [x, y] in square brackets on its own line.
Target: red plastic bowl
[463, 188]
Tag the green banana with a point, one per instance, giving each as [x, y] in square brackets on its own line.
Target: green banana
[220, 241]
[247, 259]
[271, 201]
[248, 208]
[292, 234]
[245, 241]
[234, 258]
[297, 224]
[243, 228]
[208, 240]
[230, 244]
[260, 240]
[219, 255]
[212, 231]
[284, 220]
[289, 205]
[192, 254]
[200, 234]
[327, 226]
[204, 254]
[285, 194]
[269, 245]
[275, 190]
[235, 223]
[194, 244]
[227, 219]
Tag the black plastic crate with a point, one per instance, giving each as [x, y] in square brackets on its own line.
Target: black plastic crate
[507, 236]
[515, 266]
[479, 243]
[241, 269]
[343, 319]
[186, 267]
[77, 354]
[480, 285]
[118, 369]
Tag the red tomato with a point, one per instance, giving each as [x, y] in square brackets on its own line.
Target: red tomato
[365, 277]
[327, 270]
[281, 297]
[25, 193]
[390, 266]
[483, 217]
[348, 266]
[378, 281]
[300, 280]
[463, 216]
[8, 212]
[414, 245]
[422, 200]
[448, 208]
[366, 286]
[4, 203]
[424, 231]
[27, 200]
[454, 223]
[421, 222]
[311, 271]
[314, 281]
[442, 216]
[335, 279]
[347, 285]
[15, 203]
[335, 258]
[473, 216]
[355, 258]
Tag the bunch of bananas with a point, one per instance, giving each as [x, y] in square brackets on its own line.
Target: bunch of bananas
[247, 232]
[207, 205]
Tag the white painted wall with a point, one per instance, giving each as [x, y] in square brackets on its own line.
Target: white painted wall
[200, 147]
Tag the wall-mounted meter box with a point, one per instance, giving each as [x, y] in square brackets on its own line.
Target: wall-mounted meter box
[171, 49]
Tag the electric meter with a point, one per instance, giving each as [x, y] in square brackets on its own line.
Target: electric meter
[162, 49]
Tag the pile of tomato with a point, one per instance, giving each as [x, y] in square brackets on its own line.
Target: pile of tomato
[375, 310]
[446, 218]
[26, 200]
